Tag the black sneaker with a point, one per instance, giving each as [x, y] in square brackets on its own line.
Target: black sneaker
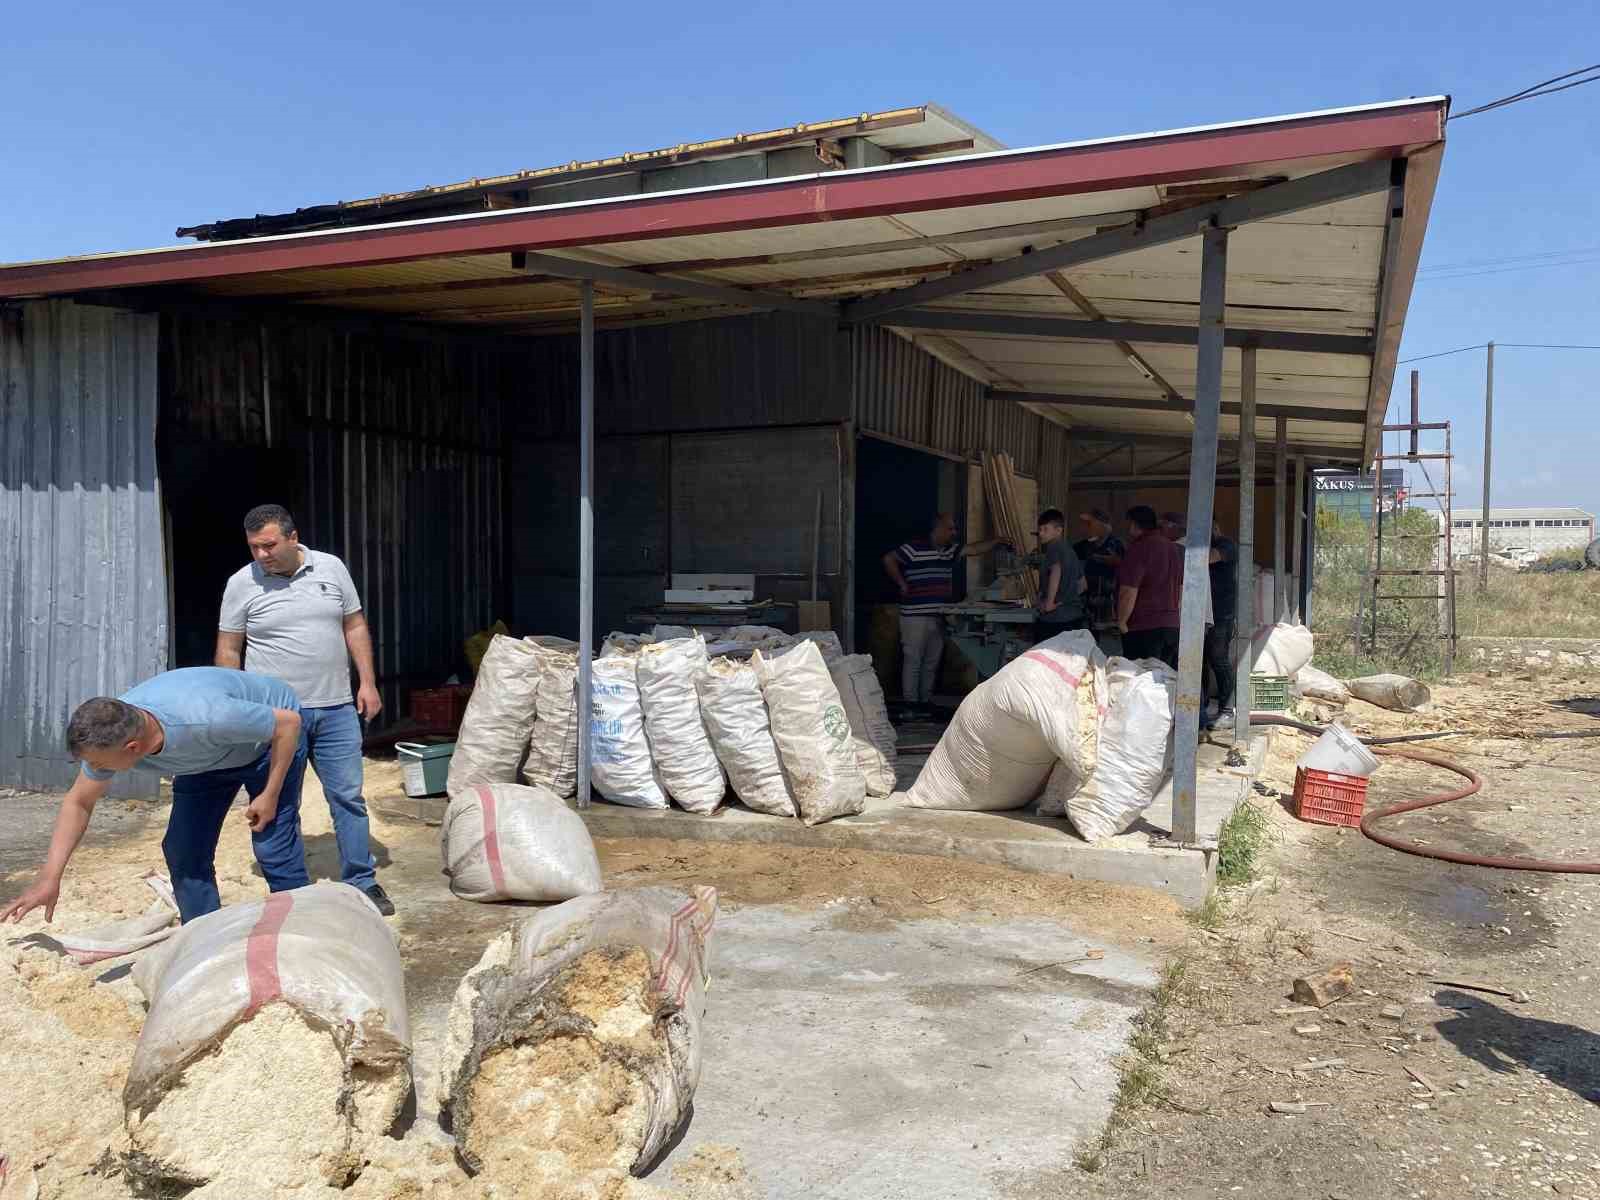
[379, 897]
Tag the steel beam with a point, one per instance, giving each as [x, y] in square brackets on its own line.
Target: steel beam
[1197, 541]
[1090, 434]
[1310, 191]
[1244, 621]
[1080, 330]
[1297, 538]
[572, 268]
[1332, 416]
[584, 682]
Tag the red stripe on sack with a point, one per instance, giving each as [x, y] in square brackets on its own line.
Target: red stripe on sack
[261, 950]
[491, 840]
[1039, 657]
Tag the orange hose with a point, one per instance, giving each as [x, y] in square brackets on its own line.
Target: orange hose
[1474, 785]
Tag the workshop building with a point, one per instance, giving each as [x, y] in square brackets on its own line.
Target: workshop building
[691, 346]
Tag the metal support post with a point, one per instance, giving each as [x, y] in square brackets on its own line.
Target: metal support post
[1298, 540]
[584, 683]
[1280, 521]
[1488, 450]
[1245, 614]
[1449, 559]
[1197, 543]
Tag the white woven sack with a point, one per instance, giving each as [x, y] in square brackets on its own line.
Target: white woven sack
[552, 760]
[324, 949]
[741, 734]
[622, 769]
[827, 641]
[506, 842]
[1280, 649]
[1135, 749]
[1012, 728]
[1319, 685]
[875, 740]
[505, 999]
[813, 734]
[494, 729]
[678, 739]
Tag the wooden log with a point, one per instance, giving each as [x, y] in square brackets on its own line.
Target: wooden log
[1322, 990]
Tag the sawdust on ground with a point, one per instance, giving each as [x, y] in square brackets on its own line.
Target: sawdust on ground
[896, 886]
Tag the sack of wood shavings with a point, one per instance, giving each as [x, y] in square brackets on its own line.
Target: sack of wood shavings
[741, 734]
[1041, 707]
[1135, 754]
[494, 730]
[505, 842]
[876, 742]
[572, 1050]
[678, 738]
[622, 769]
[276, 1049]
[813, 733]
[552, 760]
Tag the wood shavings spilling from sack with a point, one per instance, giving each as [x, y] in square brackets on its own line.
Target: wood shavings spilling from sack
[276, 1082]
[569, 1112]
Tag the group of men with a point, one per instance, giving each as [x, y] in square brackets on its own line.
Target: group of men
[1128, 591]
[278, 697]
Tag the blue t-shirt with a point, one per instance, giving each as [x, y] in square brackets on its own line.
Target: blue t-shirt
[213, 718]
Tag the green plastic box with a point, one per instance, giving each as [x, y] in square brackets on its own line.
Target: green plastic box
[424, 767]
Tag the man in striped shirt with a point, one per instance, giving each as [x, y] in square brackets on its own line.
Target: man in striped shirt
[924, 571]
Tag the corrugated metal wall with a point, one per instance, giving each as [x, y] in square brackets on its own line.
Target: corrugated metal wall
[83, 588]
[732, 373]
[780, 385]
[907, 394]
[397, 452]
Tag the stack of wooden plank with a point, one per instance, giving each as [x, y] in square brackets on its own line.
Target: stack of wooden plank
[1007, 517]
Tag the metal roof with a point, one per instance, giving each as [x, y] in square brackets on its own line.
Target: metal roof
[902, 134]
[1101, 346]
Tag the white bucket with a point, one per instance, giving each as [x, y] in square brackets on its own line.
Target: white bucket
[1337, 750]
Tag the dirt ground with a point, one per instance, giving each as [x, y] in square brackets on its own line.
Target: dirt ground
[1436, 1090]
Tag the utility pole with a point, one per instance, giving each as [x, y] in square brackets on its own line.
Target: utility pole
[1488, 447]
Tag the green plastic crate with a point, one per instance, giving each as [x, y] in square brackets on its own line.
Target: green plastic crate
[424, 767]
[1269, 693]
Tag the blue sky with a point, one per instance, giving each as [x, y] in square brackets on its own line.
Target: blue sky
[125, 121]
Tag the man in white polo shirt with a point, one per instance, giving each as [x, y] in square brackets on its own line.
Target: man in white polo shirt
[294, 613]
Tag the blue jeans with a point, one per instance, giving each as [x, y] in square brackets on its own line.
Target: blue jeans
[334, 735]
[200, 804]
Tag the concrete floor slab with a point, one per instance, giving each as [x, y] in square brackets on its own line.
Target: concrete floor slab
[1015, 839]
[851, 1056]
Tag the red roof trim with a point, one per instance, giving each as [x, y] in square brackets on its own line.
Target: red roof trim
[949, 183]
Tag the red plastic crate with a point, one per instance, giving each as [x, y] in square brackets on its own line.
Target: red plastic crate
[441, 707]
[1328, 798]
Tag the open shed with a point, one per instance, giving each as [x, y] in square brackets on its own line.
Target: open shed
[537, 396]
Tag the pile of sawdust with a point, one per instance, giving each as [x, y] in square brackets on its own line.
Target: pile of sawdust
[272, 1083]
[565, 1113]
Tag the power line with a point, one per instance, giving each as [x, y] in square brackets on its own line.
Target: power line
[1535, 91]
[1442, 353]
[1501, 346]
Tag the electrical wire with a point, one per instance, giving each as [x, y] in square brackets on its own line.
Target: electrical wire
[1443, 353]
[1535, 91]
[1501, 346]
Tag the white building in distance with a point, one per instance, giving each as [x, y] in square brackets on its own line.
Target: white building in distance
[1541, 530]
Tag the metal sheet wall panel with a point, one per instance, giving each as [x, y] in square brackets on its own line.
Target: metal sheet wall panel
[398, 457]
[83, 592]
[730, 373]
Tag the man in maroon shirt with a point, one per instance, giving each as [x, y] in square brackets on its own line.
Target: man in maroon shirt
[1149, 590]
